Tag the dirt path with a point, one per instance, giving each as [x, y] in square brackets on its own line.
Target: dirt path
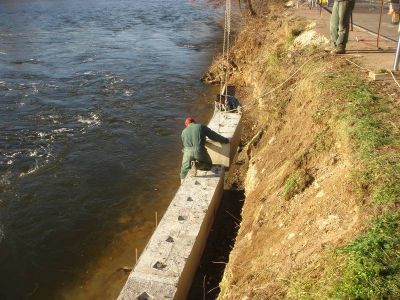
[362, 44]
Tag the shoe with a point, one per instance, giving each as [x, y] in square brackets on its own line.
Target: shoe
[338, 51]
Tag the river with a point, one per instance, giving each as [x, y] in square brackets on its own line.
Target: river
[93, 95]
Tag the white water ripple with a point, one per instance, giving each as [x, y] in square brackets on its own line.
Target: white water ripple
[92, 120]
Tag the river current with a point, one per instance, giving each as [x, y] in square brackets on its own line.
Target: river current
[93, 95]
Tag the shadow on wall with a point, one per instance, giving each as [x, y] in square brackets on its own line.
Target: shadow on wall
[219, 245]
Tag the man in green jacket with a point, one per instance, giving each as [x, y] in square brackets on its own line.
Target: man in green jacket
[340, 24]
[194, 139]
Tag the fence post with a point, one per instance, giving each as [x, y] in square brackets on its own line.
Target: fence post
[397, 56]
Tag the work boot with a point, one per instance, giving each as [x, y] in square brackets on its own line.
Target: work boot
[193, 170]
[339, 50]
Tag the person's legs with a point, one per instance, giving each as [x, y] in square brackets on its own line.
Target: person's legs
[187, 159]
[393, 7]
[334, 25]
[394, 11]
[203, 161]
[344, 11]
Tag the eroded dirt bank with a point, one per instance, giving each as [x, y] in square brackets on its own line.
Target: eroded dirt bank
[320, 167]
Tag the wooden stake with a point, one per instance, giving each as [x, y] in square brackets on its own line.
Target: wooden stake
[135, 256]
[156, 219]
[204, 287]
[320, 7]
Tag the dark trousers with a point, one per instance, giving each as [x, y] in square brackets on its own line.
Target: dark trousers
[340, 22]
[200, 156]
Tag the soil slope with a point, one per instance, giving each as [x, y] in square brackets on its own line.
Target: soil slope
[314, 176]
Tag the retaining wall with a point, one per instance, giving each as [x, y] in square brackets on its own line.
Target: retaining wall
[168, 263]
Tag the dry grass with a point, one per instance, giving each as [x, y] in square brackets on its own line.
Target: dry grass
[323, 159]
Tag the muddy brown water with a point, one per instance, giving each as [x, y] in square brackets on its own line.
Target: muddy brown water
[93, 96]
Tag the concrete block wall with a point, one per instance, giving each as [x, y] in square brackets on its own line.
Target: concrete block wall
[166, 268]
[168, 263]
[228, 125]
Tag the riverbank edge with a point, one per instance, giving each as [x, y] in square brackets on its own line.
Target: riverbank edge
[319, 166]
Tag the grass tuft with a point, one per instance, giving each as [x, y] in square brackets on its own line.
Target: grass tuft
[273, 58]
[296, 183]
[291, 185]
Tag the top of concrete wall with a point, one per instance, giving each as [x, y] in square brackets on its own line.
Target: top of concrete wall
[225, 123]
[158, 271]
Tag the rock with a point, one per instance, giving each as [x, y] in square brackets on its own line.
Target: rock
[271, 140]
[289, 4]
[210, 78]
[291, 235]
[249, 236]
[310, 38]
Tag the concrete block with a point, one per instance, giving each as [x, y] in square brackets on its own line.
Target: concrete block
[228, 125]
[167, 265]
[384, 76]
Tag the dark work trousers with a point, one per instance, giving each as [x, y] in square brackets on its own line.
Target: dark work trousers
[340, 22]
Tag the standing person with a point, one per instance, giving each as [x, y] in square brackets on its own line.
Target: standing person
[340, 24]
[194, 140]
[394, 11]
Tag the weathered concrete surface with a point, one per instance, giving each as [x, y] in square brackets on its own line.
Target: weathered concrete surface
[229, 126]
[168, 263]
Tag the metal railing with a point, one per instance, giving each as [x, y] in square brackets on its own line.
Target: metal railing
[397, 56]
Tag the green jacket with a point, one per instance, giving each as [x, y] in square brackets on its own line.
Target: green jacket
[194, 136]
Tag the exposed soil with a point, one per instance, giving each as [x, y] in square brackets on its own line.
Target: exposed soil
[296, 163]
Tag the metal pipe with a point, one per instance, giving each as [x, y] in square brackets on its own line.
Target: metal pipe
[351, 22]
[397, 57]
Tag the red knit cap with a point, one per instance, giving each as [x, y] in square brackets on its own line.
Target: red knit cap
[188, 120]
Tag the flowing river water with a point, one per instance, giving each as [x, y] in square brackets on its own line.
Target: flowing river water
[93, 95]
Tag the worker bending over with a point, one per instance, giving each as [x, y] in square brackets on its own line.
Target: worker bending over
[194, 140]
[227, 103]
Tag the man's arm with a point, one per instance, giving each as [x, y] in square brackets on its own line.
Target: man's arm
[214, 136]
[234, 101]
